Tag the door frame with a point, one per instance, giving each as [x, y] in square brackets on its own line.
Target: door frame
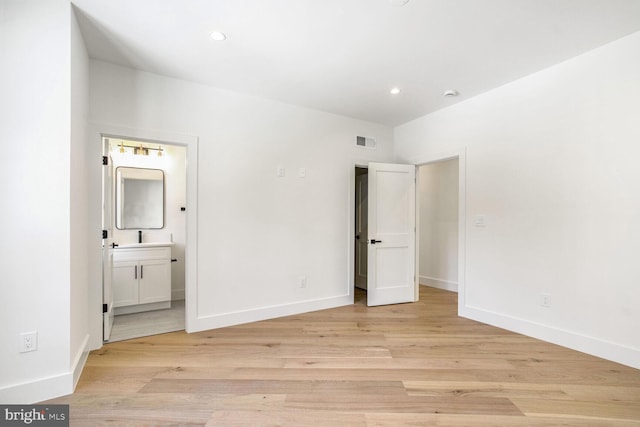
[95, 134]
[461, 155]
[355, 243]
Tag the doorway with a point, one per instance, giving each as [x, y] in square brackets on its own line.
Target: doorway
[133, 316]
[361, 218]
[452, 257]
[438, 200]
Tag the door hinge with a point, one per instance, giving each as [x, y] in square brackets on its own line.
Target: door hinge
[104, 308]
[105, 234]
[105, 160]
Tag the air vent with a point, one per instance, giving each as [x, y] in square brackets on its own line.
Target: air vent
[366, 142]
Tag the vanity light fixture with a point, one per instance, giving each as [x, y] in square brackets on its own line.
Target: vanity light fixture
[218, 36]
[394, 91]
[140, 150]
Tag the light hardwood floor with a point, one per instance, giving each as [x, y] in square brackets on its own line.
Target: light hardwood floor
[411, 364]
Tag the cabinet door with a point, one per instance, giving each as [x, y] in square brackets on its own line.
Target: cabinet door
[125, 283]
[155, 281]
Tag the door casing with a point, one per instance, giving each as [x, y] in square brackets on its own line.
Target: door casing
[460, 154]
[95, 134]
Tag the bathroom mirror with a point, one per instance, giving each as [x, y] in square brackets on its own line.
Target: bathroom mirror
[139, 198]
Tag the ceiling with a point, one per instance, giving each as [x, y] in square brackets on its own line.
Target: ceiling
[343, 56]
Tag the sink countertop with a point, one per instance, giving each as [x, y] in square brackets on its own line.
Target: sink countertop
[143, 245]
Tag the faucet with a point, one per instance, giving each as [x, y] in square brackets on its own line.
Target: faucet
[139, 236]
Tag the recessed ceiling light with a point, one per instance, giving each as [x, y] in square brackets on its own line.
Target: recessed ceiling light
[450, 92]
[398, 2]
[394, 91]
[218, 36]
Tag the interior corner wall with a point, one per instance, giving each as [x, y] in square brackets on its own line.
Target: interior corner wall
[81, 239]
[551, 164]
[438, 229]
[258, 233]
[35, 220]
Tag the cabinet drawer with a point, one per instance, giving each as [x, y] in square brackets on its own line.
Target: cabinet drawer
[141, 254]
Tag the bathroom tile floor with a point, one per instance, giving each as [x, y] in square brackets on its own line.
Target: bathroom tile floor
[136, 325]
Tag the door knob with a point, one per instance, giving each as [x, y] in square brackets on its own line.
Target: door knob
[357, 237]
[374, 241]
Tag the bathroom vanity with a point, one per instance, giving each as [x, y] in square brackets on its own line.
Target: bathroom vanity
[141, 277]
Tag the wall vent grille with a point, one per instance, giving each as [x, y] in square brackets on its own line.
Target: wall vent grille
[366, 142]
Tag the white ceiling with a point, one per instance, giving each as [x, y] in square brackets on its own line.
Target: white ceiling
[343, 56]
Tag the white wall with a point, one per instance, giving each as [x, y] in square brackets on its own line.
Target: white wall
[173, 164]
[257, 233]
[438, 201]
[551, 161]
[42, 289]
[81, 238]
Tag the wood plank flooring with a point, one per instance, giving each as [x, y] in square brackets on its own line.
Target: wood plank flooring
[411, 364]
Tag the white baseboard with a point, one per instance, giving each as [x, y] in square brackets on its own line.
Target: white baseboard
[80, 360]
[177, 294]
[596, 347]
[264, 313]
[38, 390]
[46, 388]
[439, 283]
[139, 308]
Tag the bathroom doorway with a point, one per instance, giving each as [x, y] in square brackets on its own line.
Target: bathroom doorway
[152, 301]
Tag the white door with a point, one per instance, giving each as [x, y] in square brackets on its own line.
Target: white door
[391, 242]
[361, 231]
[107, 257]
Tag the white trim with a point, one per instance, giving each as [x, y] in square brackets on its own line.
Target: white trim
[96, 131]
[50, 387]
[461, 155]
[177, 294]
[141, 308]
[351, 235]
[439, 283]
[38, 390]
[79, 361]
[263, 313]
[605, 349]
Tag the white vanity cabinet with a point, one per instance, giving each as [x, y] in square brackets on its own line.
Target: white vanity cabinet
[141, 278]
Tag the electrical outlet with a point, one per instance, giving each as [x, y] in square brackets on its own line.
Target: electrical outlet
[545, 300]
[302, 281]
[28, 342]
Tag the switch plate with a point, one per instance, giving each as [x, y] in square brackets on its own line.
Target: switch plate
[545, 300]
[281, 171]
[480, 221]
[302, 172]
[28, 341]
[302, 281]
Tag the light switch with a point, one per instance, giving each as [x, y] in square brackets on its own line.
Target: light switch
[302, 173]
[281, 171]
[480, 221]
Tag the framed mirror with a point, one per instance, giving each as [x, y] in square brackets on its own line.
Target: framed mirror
[139, 198]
